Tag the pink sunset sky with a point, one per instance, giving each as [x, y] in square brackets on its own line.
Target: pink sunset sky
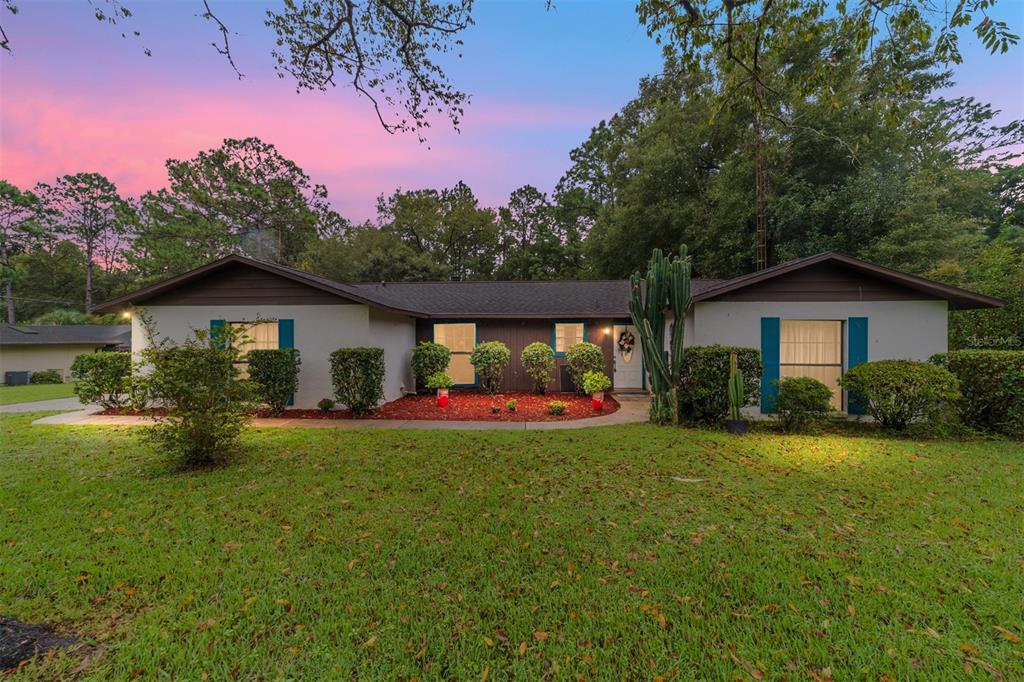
[76, 96]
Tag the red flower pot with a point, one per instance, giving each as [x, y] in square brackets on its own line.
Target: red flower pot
[442, 397]
[597, 401]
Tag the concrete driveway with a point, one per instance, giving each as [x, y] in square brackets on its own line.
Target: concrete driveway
[43, 405]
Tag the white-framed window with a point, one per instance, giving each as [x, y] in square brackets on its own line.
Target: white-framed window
[460, 339]
[813, 348]
[568, 334]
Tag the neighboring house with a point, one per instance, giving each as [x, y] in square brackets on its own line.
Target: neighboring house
[25, 348]
[814, 316]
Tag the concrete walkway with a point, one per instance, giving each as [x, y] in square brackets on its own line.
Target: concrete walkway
[44, 405]
[632, 409]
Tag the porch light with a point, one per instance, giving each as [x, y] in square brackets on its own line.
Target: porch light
[127, 315]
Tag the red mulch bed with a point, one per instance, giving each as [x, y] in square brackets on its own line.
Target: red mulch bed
[463, 406]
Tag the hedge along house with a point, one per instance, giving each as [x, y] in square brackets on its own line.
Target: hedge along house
[814, 316]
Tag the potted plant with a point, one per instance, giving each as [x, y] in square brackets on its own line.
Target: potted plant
[441, 382]
[735, 424]
[596, 383]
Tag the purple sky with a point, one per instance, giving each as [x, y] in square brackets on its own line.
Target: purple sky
[75, 97]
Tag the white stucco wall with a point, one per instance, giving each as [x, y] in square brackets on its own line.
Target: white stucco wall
[396, 334]
[896, 329]
[319, 331]
[44, 356]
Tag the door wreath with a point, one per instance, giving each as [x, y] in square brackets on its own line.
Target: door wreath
[626, 342]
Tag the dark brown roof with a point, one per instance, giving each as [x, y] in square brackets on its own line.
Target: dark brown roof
[545, 299]
[959, 299]
[85, 334]
[346, 291]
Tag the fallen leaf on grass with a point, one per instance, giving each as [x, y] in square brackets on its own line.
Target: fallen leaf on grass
[540, 635]
[1007, 634]
[522, 648]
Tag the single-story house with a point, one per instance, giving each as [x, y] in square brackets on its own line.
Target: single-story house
[34, 348]
[814, 316]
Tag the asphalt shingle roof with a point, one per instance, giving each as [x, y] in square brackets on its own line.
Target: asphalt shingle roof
[567, 298]
[92, 334]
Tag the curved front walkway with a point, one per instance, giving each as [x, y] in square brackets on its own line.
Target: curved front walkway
[632, 409]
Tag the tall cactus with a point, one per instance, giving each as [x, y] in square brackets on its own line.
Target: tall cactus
[735, 387]
[667, 288]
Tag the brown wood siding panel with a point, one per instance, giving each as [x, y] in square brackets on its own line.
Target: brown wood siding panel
[242, 285]
[825, 282]
[517, 334]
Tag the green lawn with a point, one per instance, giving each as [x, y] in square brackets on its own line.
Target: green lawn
[621, 552]
[33, 392]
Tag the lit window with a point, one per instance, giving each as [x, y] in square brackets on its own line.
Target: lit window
[460, 339]
[255, 336]
[567, 335]
[813, 348]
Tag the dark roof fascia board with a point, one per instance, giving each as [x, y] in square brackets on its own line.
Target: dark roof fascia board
[141, 295]
[943, 291]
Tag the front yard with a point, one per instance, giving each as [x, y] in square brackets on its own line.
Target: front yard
[621, 552]
[31, 393]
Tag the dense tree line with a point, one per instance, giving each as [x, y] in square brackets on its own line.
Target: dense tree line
[896, 174]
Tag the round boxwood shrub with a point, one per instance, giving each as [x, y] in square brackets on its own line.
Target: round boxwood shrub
[899, 392]
[439, 380]
[490, 359]
[429, 358]
[539, 363]
[991, 387]
[275, 375]
[47, 376]
[358, 377]
[802, 402]
[102, 378]
[581, 358]
[704, 381]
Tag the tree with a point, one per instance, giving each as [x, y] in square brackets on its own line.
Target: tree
[52, 275]
[87, 210]
[763, 48]
[243, 196]
[19, 231]
[387, 50]
[447, 226]
[531, 240]
[366, 253]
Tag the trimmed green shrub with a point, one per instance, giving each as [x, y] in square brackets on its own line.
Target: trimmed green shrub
[900, 392]
[325, 405]
[704, 384]
[991, 387]
[596, 382]
[102, 378]
[802, 402]
[206, 404]
[490, 359]
[581, 358]
[275, 375]
[511, 405]
[47, 376]
[358, 377]
[539, 364]
[439, 380]
[556, 407]
[429, 358]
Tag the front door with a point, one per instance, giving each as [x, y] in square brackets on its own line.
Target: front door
[628, 366]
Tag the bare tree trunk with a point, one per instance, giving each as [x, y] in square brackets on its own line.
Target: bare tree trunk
[88, 280]
[8, 286]
[760, 194]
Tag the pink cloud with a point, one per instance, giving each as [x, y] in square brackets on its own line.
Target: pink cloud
[127, 135]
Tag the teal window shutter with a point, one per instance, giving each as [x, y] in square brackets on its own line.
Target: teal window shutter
[286, 339]
[217, 334]
[286, 333]
[770, 330]
[857, 353]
